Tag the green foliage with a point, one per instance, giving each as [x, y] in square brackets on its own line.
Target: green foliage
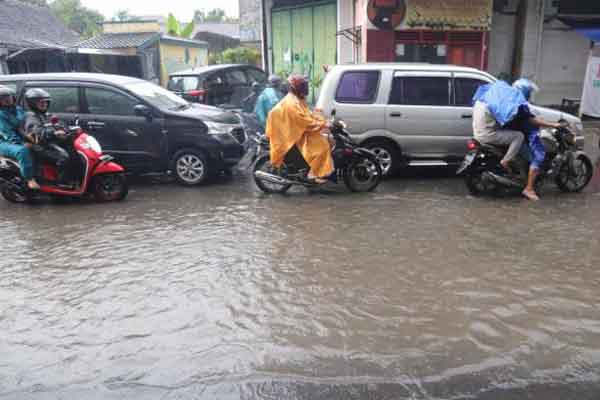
[76, 17]
[123, 15]
[241, 55]
[214, 15]
[174, 28]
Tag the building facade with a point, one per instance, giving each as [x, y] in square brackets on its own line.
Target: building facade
[508, 38]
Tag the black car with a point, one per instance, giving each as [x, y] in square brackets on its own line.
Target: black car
[225, 86]
[145, 127]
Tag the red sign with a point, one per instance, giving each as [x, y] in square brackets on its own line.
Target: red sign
[386, 14]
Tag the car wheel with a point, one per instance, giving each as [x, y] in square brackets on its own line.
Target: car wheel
[387, 154]
[190, 167]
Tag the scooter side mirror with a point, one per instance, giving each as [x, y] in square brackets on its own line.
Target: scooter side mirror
[333, 112]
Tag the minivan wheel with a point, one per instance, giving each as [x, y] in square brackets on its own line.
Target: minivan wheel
[190, 167]
[387, 154]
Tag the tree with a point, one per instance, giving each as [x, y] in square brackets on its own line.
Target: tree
[174, 27]
[241, 55]
[78, 18]
[122, 15]
[214, 15]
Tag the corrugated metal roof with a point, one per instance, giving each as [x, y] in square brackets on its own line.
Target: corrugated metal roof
[450, 13]
[118, 40]
[24, 26]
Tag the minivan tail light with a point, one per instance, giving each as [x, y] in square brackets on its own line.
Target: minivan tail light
[471, 144]
[197, 93]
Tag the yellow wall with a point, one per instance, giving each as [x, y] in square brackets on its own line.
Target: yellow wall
[173, 59]
[130, 27]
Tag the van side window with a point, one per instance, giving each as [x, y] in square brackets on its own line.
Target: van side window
[425, 91]
[464, 90]
[64, 99]
[358, 87]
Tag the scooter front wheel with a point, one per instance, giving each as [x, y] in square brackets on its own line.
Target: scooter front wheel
[15, 196]
[110, 187]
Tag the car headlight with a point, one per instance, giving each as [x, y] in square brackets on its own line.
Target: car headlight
[91, 143]
[578, 127]
[215, 128]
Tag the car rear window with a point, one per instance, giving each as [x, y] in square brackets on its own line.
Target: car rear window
[358, 87]
[464, 90]
[421, 91]
[182, 83]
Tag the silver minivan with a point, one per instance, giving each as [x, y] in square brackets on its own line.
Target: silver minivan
[412, 114]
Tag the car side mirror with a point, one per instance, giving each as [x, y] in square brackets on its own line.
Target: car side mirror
[143, 111]
[333, 112]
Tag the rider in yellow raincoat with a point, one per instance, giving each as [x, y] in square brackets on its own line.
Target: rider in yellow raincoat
[291, 123]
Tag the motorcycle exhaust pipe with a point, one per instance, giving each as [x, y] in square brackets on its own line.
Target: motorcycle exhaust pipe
[278, 180]
[501, 179]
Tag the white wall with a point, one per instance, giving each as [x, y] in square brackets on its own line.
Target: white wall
[562, 65]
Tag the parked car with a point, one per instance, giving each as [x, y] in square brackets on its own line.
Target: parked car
[223, 86]
[412, 114]
[144, 126]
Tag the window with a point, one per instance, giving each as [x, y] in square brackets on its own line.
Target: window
[183, 83]
[12, 85]
[423, 91]
[108, 102]
[358, 87]
[213, 80]
[235, 77]
[464, 90]
[63, 99]
[255, 75]
[156, 95]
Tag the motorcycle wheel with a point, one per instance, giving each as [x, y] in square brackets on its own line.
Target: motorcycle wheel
[577, 181]
[110, 187]
[14, 197]
[477, 185]
[264, 165]
[363, 175]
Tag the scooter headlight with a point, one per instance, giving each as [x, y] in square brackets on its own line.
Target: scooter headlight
[91, 143]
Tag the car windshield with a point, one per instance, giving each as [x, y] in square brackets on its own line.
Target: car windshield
[157, 96]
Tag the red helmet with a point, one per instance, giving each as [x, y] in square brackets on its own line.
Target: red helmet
[298, 85]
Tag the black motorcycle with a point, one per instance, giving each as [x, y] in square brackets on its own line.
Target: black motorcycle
[570, 168]
[356, 166]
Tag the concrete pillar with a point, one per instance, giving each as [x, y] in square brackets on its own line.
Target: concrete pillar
[531, 33]
[345, 20]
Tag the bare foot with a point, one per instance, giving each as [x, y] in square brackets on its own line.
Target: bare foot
[530, 195]
[33, 185]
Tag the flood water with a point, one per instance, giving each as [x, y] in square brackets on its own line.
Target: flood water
[415, 291]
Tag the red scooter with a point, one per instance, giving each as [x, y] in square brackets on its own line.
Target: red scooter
[89, 172]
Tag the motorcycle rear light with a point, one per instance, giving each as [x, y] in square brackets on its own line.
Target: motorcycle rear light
[471, 145]
[348, 152]
[54, 120]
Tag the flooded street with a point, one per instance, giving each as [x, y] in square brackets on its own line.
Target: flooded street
[415, 291]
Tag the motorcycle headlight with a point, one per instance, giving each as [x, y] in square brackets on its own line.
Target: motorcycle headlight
[215, 128]
[91, 143]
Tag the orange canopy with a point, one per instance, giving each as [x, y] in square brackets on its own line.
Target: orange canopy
[292, 123]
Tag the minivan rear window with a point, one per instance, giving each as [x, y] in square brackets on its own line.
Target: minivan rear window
[358, 87]
[182, 83]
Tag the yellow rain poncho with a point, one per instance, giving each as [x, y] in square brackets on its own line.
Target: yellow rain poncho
[292, 123]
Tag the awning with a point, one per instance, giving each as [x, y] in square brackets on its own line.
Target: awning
[449, 14]
[591, 33]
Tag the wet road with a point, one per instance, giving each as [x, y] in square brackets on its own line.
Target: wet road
[415, 291]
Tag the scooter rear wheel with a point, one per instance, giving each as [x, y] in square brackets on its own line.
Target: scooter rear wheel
[110, 187]
[264, 164]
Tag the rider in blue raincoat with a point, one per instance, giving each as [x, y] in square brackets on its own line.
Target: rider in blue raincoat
[12, 143]
[268, 99]
[509, 106]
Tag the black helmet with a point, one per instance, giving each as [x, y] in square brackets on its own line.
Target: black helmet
[256, 87]
[32, 96]
[274, 80]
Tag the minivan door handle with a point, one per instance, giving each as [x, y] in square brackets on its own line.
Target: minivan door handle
[96, 124]
[396, 115]
[466, 116]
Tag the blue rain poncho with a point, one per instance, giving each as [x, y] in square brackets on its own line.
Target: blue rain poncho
[502, 100]
[265, 103]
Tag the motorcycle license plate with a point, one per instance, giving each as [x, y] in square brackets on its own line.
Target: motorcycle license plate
[469, 158]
